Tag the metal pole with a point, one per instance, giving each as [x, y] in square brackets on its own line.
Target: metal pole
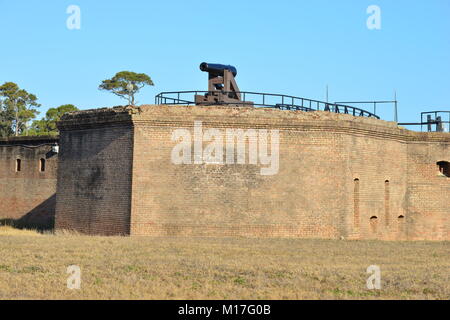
[395, 106]
[421, 121]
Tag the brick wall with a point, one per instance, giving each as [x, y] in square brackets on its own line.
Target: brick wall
[313, 195]
[379, 165]
[94, 173]
[234, 199]
[27, 197]
[428, 191]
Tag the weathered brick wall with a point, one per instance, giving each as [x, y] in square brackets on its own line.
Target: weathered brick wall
[400, 185]
[428, 192]
[376, 179]
[235, 199]
[94, 173]
[339, 176]
[27, 197]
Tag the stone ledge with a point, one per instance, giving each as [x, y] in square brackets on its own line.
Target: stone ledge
[28, 140]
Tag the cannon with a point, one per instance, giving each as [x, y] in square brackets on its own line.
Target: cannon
[217, 69]
[222, 86]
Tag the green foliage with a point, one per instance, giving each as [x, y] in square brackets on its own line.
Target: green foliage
[5, 122]
[17, 108]
[47, 125]
[126, 84]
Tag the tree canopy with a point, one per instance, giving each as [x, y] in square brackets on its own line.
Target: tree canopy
[17, 108]
[47, 125]
[126, 84]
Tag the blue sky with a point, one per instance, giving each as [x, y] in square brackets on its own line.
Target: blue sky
[290, 47]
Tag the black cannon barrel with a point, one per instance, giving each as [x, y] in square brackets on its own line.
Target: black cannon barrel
[217, 69]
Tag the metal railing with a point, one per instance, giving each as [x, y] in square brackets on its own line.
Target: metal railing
[437, 121]
[374, 104]
[440, 119]
[265, 100]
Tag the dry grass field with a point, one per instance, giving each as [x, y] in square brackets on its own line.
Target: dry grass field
[34, 266]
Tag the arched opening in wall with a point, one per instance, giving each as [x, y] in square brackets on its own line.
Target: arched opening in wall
[41, 165]
[444, 168]
[356, 203]
[400, 223]
[386, 201]
[374, 224]
[18, 165]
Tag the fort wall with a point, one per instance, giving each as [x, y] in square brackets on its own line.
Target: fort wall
[428, 189]
[28, 181]
[94, 174]
[338, 176]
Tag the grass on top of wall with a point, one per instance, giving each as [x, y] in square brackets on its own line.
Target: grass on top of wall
[34, 265]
